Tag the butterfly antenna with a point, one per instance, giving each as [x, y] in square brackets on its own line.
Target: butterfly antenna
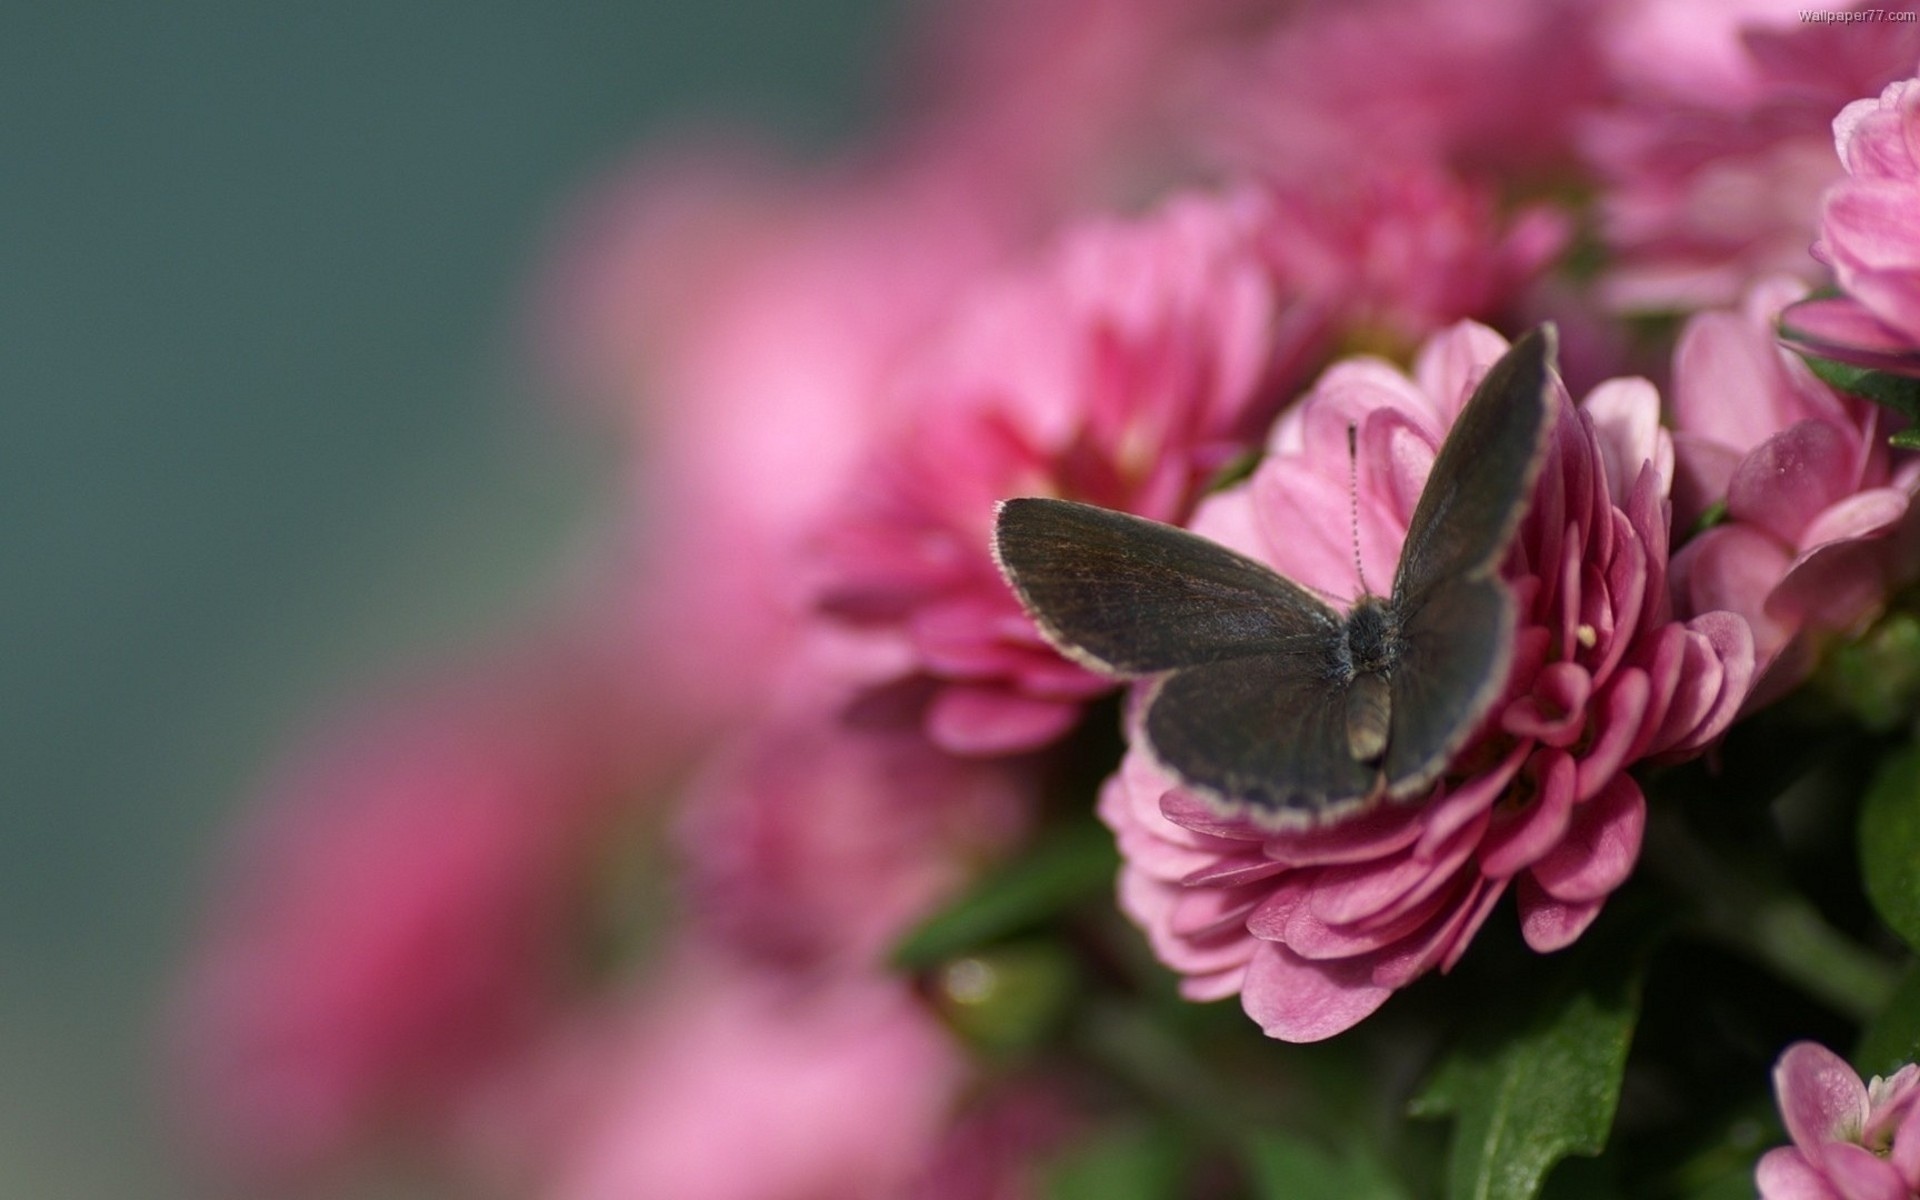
[1353, 501]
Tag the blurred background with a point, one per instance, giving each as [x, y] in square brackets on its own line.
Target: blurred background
[267, 430]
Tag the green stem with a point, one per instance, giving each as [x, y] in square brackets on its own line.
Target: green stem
[1791, 937]
[1140, 1050]
[1776, 926]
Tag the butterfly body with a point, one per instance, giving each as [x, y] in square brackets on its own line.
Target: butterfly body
[1371, 645]
[1264, 699]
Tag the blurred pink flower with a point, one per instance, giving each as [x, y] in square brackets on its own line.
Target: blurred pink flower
[814, 841]
[1391, 254]
[1870, 233]
[1491, 87]
[1819, 522]
[1315, 929]
[736, 1083]
[1849, 1139]
[1126, 370]
[994, 1148]
[749, 321]
[392, 922]
[1714, 156]
[1074, 104]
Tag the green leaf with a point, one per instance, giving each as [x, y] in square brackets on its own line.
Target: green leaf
[1892, 1039]
[1896, 392]
[1890, 843]
[1876, 677]
[1074, 865]
[1284, 1168]
[1119, 1164]
[1530, 1091]
[1234, 471]
[1008, 998]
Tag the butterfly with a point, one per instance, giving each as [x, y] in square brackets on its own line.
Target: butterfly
[1265, 700]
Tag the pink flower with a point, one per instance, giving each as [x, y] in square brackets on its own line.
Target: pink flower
[993, 1150]
[1391, 254]
[814, 841]
[1716, 154]
[1315, 929]
[1870, 233]
[741, 1084]
[1073, 103]
[762, 317]
[1819, 522]
[1126, 371]
[1849, 1139]
[1490, 87]
[391, 924]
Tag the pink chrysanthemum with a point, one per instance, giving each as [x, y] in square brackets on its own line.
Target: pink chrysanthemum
[1315, 929]
[1715, 156]
[1131, 368]
[1492, 87]
[1393, 253]
[1850, 1139]
[1140, 360]
[810, 841]
[748, 321]
[392, 924]
[1870, 233]
[731, 1082]
[1819, 522]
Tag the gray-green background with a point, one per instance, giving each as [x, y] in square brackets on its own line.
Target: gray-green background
[261, 435]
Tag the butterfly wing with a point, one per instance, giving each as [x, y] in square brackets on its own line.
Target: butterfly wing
[1484, 474]
[1129, 596]
[1265, 735]
[1454, 657]
[1456, 617]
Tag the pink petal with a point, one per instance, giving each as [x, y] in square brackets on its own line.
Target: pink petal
[1208, 987]
[1785, 1174]
[1836, 586]
[1347, 895]
[1299, 1001]
[1233, 872]
[1905, 1151]
[1728, 640]
[1370, 835]
[1467, 804]
[1622, 732]
[1548, 924]
[1189, 811]
[1200, 914]
[1702, 469]
[1857, 1173]
[1476, 916]
[1519, 839]
[1149, 903]
[1790, 477]
[1465, 909]
[1555, 712]
[1821, 1098]
[1625, 415]
[1602, 843]
[1733, 568]
[987, 720]
[1727, 384]
[1842, 329]
[1866, 513]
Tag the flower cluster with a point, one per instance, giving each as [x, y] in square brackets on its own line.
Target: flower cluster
[1849, 1138]
[1867, 234]
[1315, 929]
[629, 908]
